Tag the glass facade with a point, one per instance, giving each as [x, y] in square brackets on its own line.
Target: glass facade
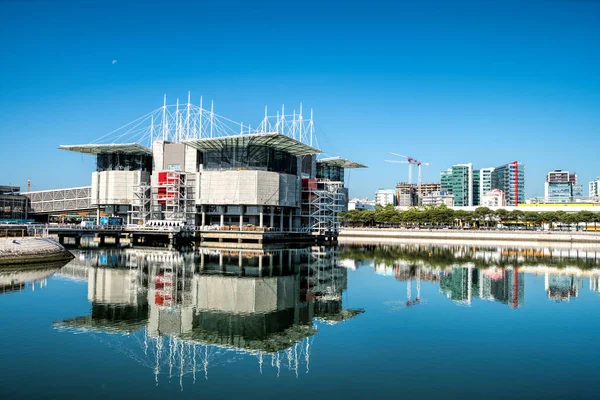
[510, 178]
[331, 173]
[476, 187]
[458, 181]
[12, 204]
[123, 162]
[252, 158]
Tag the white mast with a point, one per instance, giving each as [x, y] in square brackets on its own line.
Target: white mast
[294, 124]
[311, 126]
[283, 119]
[177, 132]
[201, 112]
[164, 118]
[301, 122]
[152, 132]
[187, 122]
[212, 117]
[265, 121]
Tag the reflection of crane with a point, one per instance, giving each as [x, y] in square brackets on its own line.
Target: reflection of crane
[408, 274]
[410, 161]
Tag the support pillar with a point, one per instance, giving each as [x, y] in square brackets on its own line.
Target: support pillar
[281, 220]
[78, 241]
[117, 241]
[272, 217]
[222, 222]
[102, 239]
[61, 240]
[261, 216]
[291, 219]
[203, 216]
[241, 220]
[98, 215]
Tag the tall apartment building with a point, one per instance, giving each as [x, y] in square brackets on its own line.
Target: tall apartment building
[561, 187]
[482, 184]
[458, 181]
[593, 188]
[510, 178]
[406, 194]
[383, 197]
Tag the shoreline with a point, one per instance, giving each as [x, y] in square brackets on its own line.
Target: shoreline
[30, 250]
[512, 237]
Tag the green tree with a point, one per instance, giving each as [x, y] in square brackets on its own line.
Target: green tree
[502, 215]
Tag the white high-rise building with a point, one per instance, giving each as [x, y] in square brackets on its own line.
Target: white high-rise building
[485, 181]
[593, 187]
[384, 197]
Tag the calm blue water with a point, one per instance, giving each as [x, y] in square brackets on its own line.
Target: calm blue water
[359, 321]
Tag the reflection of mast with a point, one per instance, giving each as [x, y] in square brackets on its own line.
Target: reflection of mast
[515, 300]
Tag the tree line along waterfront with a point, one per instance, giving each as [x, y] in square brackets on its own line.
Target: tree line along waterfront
[482, 218]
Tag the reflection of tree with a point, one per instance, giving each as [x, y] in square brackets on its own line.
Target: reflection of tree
[448, 256]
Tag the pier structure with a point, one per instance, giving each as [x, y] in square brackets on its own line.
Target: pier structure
[182, 171]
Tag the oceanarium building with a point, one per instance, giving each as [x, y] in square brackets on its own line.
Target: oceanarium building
[197, 170]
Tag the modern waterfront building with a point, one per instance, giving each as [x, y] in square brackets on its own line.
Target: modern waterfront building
[361, 204]
[493, 198]
[13, 205]
[458, 181]
[594, 188]
[199, 169]
[383, 197]
[561, 187]
[510, 178]
[437, 199]
[482, 183]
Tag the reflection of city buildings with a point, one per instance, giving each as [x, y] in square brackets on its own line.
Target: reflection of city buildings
[561, 287]
[197, 307]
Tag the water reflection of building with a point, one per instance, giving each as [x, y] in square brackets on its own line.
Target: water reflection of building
[505, 285]
[259, 302]
[562, 287]
[20, 278]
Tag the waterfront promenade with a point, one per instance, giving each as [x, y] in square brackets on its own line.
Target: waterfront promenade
[31, 250]
[592, 238]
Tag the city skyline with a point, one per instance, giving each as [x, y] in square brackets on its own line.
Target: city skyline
[471, 82]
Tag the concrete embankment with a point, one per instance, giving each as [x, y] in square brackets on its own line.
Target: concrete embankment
[31, 250]
[590, 238]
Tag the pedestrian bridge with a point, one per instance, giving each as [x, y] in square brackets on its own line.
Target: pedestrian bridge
[60, 200]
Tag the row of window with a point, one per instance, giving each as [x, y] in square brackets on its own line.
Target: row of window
[252, 157]
[123, 162]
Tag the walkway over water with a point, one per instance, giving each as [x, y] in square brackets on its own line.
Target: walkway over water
[60, 200]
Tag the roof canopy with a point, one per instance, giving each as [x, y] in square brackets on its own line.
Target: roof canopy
[274, 140]
[95, 149]
[340, 162]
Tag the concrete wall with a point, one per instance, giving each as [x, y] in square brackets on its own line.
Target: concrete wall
[113, 286]
[249, 188]
[116, 187]
[245, 295]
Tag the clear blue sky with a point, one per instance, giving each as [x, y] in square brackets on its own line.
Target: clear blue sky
[445, 81]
